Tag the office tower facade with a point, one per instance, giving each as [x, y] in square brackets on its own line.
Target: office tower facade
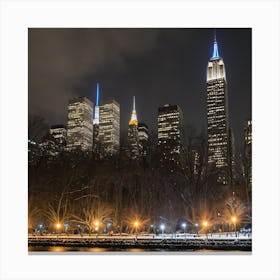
[248, 152]
[109, 127]
[54, 141]
[196, 158]
[132, 135]
[79, 126]
[233, 158]
[170, 133]
[217, 117]
[59, 133]
[143, 134]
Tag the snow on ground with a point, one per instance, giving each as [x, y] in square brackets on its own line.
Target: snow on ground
[222, 236]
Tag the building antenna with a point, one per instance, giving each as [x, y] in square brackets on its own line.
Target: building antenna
[97, 94]
[133, 103]
[215, 37]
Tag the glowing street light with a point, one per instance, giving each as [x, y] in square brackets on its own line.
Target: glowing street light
[234, 221]
[162, 227]
[96, 224]
[58, 226]
[108, 225]
[136, 224]
[196, 225]
[205, 225]
[184, 225]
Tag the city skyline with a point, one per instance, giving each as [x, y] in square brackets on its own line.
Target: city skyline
[196, 114]
[118, 176]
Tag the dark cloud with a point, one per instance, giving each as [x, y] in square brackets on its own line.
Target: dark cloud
[158, 66]
[61, 59]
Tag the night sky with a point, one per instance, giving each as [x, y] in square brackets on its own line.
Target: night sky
[158, 66]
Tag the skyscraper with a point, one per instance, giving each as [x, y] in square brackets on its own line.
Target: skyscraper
[132, 136]
[143, 134]
[79, 127]
[217, 116]
[109, 127]
[170, 133]
[59, 132]
[248, 152]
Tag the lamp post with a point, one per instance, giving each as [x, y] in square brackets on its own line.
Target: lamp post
[58, 227]
[205, 225]
[108, 225]
[96, 224]
[234, 220]
[196, 226]
[162, 227]
[184, 225]
[136, 225]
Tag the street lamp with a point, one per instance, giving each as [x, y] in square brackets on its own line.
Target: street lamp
[96, 224]
[205, 225]
[66, 226]
[196, 225]
[234, 220]
[184, 225]
[136, 225]
[162, 227]
[108, 225]
[58, 227]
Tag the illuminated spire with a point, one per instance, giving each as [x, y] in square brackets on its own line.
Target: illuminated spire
[96, 108]
[97, 94]
[215, 55]
[133, 120]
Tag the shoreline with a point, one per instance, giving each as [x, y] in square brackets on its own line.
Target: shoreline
[171, 244]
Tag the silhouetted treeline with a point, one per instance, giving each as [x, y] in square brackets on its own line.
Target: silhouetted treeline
[73, 187]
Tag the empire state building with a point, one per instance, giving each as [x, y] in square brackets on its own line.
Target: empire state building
[217, 117]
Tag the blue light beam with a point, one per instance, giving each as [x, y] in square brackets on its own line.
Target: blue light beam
[97, 94]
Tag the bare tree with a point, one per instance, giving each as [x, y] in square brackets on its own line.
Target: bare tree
[92, 213]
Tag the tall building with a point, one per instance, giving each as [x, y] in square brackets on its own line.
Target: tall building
[59, 133]
[217, 116]
[143, 134]
[79, 126]
[109, 127]
[233, 158]
[50, 146]
[248, 152]
[95, 143]
[132, 136]
[170, 133]
[54, 141]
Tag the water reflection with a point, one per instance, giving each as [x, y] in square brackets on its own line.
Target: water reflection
[61, 249]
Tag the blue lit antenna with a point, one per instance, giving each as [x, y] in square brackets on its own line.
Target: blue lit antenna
[97, 94]
[215, 54]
